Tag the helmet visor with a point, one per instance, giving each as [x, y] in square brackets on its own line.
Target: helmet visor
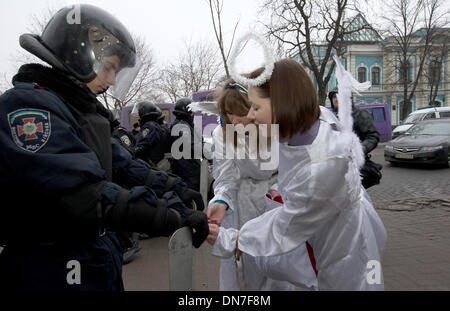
[124, 80]
[115, 65]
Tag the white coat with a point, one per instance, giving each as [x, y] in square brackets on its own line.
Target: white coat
[242, 185]
[346, 234]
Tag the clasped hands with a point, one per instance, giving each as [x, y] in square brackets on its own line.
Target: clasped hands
[216, 213]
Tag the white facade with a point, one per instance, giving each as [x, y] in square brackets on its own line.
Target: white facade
[376, 60]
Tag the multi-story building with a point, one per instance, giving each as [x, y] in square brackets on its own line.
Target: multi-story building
[369, 57]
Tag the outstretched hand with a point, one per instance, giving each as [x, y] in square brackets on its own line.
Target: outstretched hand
[213, 233]
[216, 213]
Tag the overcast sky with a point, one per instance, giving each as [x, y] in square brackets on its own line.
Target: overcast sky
[164, 23]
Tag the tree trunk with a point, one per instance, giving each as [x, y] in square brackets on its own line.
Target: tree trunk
[322, 94]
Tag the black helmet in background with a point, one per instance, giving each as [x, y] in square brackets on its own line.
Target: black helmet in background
[330, 97]
[77, 39]
[181, 108]
[148, 111]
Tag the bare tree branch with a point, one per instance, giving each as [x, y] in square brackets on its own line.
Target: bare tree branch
[312, 30]
[196, 68]
[4, 83]
[143, 87]
[413, 26]
[216, 7]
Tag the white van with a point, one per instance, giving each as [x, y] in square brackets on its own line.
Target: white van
[419, 115]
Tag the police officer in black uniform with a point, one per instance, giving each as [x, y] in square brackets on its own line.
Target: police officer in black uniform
[124, 137]
[187, 169]
[130, 245]
[153, 141]
[59, 201]
[136, 129]
[364, 128]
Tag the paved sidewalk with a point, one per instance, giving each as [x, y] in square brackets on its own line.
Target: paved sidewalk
[417, 255]
[150, 269]
[414, 204]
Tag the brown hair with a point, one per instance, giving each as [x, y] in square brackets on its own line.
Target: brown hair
[293, 99]
[230, 100]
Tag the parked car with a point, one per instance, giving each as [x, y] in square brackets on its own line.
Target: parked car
[420, 115]
[425, 142]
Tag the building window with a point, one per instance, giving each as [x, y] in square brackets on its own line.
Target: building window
[405, 71]
[404, 110]
[362, 71]
[376, 76]
[435, 71]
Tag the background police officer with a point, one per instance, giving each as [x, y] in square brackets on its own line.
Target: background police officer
[364, 128]
[130, 245]
[59, 201]
[123, 136]
[153, 141]
[187, 169]
[136, 129]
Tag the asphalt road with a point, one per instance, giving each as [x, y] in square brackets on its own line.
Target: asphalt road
[408, 181]
[414, 203]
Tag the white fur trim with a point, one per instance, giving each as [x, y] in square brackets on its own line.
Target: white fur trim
[268, 65]
[347, 84]
[206, 107]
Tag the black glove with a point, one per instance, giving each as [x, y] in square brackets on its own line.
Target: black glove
[199, 222]
[195, 219]
[189, 195]
[162, 182]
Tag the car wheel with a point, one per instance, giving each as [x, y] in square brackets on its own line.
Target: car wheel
[393, 163]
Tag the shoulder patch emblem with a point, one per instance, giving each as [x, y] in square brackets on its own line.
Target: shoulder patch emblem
[125, 140]
[30, 128]
[145, 132]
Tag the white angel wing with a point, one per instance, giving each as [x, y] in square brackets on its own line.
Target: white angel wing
[347, 84]
[206, 107]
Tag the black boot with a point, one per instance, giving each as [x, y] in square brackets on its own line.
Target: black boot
[129, 253]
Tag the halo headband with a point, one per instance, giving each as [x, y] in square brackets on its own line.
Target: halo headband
[238, 87]
[268, 65]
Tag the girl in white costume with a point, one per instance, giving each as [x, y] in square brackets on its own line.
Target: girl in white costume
[240, 188]
[318, 179]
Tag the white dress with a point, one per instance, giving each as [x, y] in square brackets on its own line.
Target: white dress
[243, 185]
[346, 234]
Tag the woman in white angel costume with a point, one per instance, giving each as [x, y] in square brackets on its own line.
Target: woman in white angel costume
[318, 179]
[240, 190]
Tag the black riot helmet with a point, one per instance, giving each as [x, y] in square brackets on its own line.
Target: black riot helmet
[330, 97]
[76, 41]
[148, 111]
[181, 108]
